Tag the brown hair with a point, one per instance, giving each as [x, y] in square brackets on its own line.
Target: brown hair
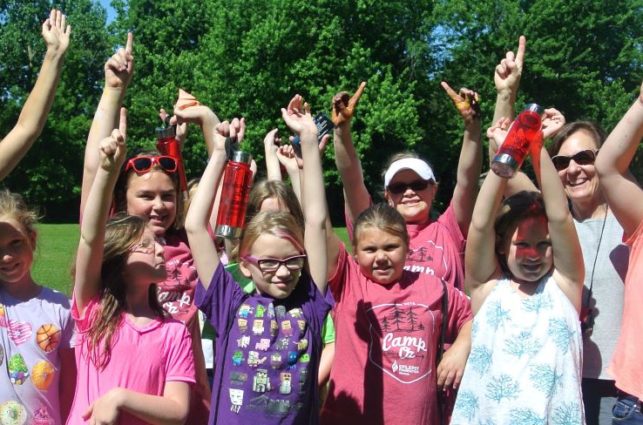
[120, 191]
[277, 223]
[14, 206]
[597, 133]
[284, 194]
[122, 232]
[384, 217]
[514, 209]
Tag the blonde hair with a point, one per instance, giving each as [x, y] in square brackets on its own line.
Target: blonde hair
[12, 205]
[122, 233]
[281, 224]
[383, 217]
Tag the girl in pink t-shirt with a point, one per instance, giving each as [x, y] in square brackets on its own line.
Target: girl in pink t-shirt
[149, 188]
[390, 323]
[134, 365]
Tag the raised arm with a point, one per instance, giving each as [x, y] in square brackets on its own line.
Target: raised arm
[313, 193]
[620, 189]
[33, 116]
[270, 144]
[203, 248]
[470, 161]
[348, 164]
[118, 74]
[569, 270]
[507, 80]
[111, 156]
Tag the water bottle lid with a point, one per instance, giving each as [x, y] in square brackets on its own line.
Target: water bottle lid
[165, 132]
[240, 156]
[534, 107]
[228, 232]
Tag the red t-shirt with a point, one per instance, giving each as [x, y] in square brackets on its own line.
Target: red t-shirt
[386, 346]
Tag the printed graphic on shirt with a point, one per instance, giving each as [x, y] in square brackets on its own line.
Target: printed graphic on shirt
[42, 417]
[12, 413]
[48, 337]
[42, 375]
[236, 398]
[176, 292]
[18, 371]
[429, 261]
[18, 332]
[401, 335]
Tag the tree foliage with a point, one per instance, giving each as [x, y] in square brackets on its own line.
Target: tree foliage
[248, 57]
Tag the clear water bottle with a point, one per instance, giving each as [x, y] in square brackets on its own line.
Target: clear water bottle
[523, 133]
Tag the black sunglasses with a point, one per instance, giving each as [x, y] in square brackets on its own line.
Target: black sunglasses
[415, 186]
[586, 157]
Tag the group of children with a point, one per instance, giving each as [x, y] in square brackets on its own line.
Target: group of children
[406, 336]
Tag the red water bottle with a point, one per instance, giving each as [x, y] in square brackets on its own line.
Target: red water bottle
[523, 133]
[167, 144]
[237, 181]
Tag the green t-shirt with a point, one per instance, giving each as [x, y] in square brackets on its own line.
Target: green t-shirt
[248, 286]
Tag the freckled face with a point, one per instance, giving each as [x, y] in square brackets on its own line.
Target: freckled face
[153, 196]
[380, 255]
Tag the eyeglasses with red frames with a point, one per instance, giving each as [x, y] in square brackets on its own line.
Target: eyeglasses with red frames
[144, 163]
[271, 265]
[586, 157]
[401, 187]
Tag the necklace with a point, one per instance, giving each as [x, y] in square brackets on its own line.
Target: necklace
[587, 319]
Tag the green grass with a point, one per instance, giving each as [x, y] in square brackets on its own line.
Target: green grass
[56, 251]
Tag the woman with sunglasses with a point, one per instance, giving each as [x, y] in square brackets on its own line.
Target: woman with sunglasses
[410, 186]
[574, 150]
[148, 187]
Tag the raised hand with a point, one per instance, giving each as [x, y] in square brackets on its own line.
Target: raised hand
[234, 131]
[497, 134]
[297, 116]
[56, 32]
[553, 121]
[112, 149]
[466, 102]
[120, 67]
[343, 106]
[509, 70]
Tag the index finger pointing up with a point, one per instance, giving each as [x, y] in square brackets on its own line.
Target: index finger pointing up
[520, 55]
[122, 123]
[130, 41]
[452, 94]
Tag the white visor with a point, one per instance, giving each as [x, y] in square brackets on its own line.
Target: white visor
[416, 165]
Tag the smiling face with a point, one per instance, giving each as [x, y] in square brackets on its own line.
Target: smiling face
[580, 181]
[381, 255]
[16, 251]
[277, 284]
[413, 205]
[153, 196]
[528, 252]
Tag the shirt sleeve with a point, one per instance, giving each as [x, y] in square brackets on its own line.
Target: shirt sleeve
[219, 299]
[328, 331]
[339, 275]
[449, 221]
[459, 312]
[180, 359]
[84, 321]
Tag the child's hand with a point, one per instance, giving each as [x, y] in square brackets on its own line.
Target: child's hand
[497, 133]
[466, 102]
[272, 141]
[181, 129]
[56, 32]
[112, 149]
[234, 130]
[104, 410]
[120, 67]
[451, 368]
[553, 120]
[509, 70]
[297, 116]
[343, 106]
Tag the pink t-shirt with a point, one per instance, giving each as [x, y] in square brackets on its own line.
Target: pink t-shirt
[436, 248]
[626, 362]
[386, 346]
[143, 359]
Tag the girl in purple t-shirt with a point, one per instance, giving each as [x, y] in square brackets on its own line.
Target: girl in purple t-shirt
[268, 342]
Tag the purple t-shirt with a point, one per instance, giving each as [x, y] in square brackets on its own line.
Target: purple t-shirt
[267, 370]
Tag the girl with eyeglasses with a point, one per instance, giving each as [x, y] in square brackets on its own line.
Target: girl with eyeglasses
[625, 198]
[148, 187]
[135, 363]
[269, 341]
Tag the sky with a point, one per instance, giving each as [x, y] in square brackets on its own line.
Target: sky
[108, 7]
